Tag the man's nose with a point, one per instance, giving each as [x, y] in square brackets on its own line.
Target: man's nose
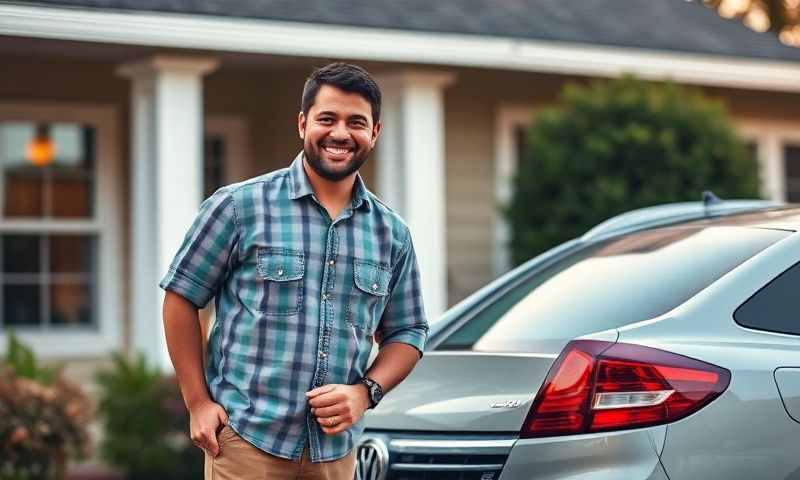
[339, 131]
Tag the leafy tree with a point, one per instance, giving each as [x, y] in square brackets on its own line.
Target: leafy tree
[779, 16]
[618, 145]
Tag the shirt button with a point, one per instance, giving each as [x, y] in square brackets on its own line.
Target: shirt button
[323, 354]
[280, 273]
[324, 296]
[331, 263]
[374, 286]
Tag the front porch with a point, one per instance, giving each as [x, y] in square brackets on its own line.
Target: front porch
[152, 134]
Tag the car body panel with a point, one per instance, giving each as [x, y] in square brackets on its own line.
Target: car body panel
[455, 391]
[711, 443]
[631, 454]
[745, 433]
[788, 382]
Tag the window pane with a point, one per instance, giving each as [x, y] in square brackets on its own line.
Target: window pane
[213, 158]
[74, 145]
[791, 156]
[72, 197]
[774, 307]
[53, 162]
[72, 171]
[14, 140]
[611, 284]
[70, 303]
[24, 190]
[20, 253]
[752, 150]
[71, 254]
[21, 305]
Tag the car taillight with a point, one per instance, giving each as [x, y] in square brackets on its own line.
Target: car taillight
[597, 386]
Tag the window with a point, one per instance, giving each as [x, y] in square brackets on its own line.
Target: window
[60, 228]
[791, 158]
[774, 308]
[610, 284]
[47, 172]
[213, 163]
[776, 145]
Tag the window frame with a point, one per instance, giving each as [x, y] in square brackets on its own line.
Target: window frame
[105, 335]
[508, 118]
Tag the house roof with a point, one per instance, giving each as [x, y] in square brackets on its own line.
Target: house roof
[668, 25]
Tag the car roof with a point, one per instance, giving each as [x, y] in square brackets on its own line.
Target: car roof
[753, 213]
[786, 217]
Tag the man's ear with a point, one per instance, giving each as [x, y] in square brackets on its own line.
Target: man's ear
[301, 125]
[376, 132]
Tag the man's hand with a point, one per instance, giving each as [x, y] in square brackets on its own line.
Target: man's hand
[338, 407]
[204, 420]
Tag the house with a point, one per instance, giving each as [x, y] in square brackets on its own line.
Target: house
[118, 116]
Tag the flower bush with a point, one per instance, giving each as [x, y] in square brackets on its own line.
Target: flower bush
[43, 418]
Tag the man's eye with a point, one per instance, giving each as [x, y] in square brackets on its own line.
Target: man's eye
[325, 120]
[358, 123]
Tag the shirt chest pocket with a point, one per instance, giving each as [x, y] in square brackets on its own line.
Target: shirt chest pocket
[368, 299]
[281, 270]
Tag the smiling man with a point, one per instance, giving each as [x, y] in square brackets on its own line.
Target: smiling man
[307, 267]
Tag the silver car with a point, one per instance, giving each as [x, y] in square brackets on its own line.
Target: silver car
[663, 344]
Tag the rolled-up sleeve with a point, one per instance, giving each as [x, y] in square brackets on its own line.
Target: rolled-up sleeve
[208, 252]
[404, 320]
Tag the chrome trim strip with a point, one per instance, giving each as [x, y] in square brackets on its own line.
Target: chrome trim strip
[445, 353]
[444, 467]
[438, 447]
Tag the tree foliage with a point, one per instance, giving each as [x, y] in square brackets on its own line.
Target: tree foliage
[779, 16]
[618, 145]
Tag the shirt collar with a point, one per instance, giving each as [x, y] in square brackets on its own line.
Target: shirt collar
[301, 187]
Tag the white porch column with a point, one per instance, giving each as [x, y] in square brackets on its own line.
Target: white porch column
[410, 170]
[166, 182]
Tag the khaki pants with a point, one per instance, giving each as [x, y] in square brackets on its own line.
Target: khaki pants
[240, 460]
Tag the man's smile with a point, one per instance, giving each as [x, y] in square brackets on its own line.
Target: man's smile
[337, 152]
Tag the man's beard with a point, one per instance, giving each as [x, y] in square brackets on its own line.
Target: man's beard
[315, 162]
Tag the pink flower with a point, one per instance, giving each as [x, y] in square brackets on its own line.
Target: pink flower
[19, 435]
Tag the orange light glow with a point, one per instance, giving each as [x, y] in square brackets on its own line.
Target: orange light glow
[41, 151]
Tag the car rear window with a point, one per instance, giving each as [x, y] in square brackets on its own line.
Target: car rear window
[774, 307]
[610, 284]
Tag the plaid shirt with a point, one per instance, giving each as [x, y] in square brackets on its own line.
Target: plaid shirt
[299, 298]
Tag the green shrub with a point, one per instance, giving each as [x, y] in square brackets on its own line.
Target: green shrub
[145, 423]
[618, 145]
[43, 418]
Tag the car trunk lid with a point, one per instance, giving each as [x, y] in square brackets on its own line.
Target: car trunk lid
[465, 391]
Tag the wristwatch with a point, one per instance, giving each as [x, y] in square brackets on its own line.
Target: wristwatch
[374, 389]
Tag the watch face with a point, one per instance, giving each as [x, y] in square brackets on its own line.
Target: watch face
[375, 391]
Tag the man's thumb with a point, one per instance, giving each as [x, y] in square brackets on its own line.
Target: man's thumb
[213, 446]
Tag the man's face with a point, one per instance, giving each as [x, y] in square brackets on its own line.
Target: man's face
[338, 133]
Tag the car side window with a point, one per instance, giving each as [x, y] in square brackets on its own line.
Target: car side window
[775, 307]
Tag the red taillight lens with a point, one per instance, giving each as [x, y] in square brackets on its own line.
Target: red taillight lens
[595, 386]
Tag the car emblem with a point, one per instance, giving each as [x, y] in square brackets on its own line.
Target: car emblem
[508, 404]
[372, 460]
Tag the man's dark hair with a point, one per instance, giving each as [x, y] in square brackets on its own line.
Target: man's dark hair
[344, 76]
